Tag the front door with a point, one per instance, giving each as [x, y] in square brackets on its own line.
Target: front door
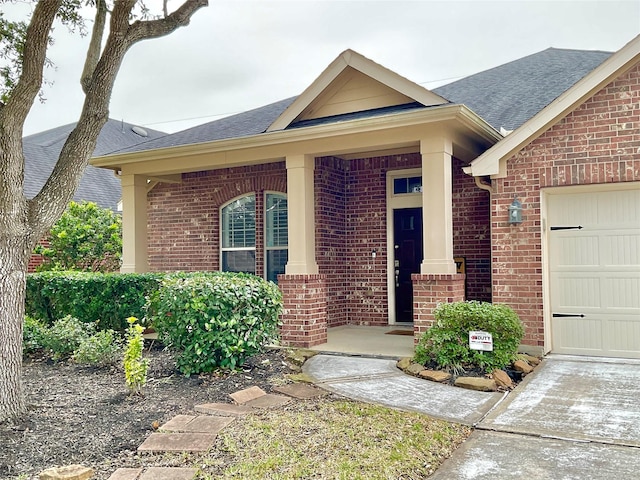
[407, 241]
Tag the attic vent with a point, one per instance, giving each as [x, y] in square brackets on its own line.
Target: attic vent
[139, 131]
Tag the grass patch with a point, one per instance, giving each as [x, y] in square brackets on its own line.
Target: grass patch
[337, 439]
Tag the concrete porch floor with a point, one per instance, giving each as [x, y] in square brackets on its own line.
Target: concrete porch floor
[368, 341]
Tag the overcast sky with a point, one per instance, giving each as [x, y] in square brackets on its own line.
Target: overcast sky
[240, 54]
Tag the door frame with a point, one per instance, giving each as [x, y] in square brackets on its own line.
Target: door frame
[545, 193]
[396, 202]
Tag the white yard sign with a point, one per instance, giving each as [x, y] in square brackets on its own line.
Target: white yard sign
[479, 340]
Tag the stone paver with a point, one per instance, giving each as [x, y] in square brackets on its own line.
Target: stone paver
[68, 472]
[268, 401]
[301, 391]
[177, 442]
[126, 474]
[223, 409]
[169, 473]
[196, 424]
[242, 397]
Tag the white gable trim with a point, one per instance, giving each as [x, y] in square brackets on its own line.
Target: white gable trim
[493, 161]
[352, 59]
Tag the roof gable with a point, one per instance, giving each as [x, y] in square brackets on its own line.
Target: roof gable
[493, 161]
[353, 83]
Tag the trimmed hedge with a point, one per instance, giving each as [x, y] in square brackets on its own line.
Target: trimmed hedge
[215, 320]
[107, 299]
[447, 342]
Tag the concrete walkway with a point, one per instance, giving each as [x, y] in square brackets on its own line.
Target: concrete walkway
[378, 380]
[573, 418]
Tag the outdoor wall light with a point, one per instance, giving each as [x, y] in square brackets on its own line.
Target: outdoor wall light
[515, 212]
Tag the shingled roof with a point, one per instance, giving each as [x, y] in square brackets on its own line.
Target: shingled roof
[42, 149]
[505, 96]
[509, 95]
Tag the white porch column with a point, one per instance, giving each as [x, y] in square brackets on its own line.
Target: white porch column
[301, 210]
[437, 216]
[134, 224]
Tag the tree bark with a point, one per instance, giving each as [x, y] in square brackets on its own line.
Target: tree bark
[15, 258]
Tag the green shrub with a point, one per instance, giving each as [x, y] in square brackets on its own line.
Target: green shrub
[33, 333]
[135, 368]
[447, 341]
[85, 238]
[215, 320]
[107, 299]
[101, 349]
[65, 336]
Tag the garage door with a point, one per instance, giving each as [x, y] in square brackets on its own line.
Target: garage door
[594, 266]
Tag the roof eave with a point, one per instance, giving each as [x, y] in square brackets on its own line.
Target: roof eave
[460, 113]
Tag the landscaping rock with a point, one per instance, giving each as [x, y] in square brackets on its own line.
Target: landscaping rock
[404, 363]
[476, 383]
[435, 375]
[414, 368]
[533, 361]
[502, 379]
[522, 367]
[299, 356]
[70, 472]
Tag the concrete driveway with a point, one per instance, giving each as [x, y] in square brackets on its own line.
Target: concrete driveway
[574, 418]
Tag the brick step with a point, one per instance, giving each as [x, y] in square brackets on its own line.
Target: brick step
[154, 473]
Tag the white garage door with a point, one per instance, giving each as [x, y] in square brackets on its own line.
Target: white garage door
[594, 266]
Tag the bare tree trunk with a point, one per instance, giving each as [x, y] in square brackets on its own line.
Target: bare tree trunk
[15, 257]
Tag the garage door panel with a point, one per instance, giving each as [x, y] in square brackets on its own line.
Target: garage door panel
[622, 335]
[579, 334]
[623, 293]
[571, 250]
[594, 272]
[621, 250]
[577, 293]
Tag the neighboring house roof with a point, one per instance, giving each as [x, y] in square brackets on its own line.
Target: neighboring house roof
[41, 151]
[504, 96]
[493, 161]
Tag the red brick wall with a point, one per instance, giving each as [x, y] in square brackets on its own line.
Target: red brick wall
[471, 233]
[330, 215]
[597, 143]
[184, 218]
[304, 316]
[428, 292]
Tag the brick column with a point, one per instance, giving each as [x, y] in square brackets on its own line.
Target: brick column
[428, 291]
[304, 317]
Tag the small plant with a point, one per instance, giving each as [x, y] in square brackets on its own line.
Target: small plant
[33, 334]
[135, 367]
[65, 336]
[447, 342]
[102, 349]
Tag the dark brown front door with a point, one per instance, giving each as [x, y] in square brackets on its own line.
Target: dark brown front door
[407, 235]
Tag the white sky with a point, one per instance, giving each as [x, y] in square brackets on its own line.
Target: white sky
[241, 54]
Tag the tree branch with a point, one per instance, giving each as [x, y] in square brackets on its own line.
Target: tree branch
[93, 52]
[142, 30]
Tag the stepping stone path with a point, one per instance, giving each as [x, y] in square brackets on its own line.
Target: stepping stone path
[197, 433]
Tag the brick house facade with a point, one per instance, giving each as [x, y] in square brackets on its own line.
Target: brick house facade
[338, 166]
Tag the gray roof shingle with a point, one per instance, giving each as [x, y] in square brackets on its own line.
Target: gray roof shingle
[509, 95]
[505, 96]
[41, 151]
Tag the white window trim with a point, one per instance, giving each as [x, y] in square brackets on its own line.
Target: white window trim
[221, 233]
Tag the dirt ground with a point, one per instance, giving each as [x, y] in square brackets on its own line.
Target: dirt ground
[85, 415]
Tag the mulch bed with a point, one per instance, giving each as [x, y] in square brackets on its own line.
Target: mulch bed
[85, 415]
